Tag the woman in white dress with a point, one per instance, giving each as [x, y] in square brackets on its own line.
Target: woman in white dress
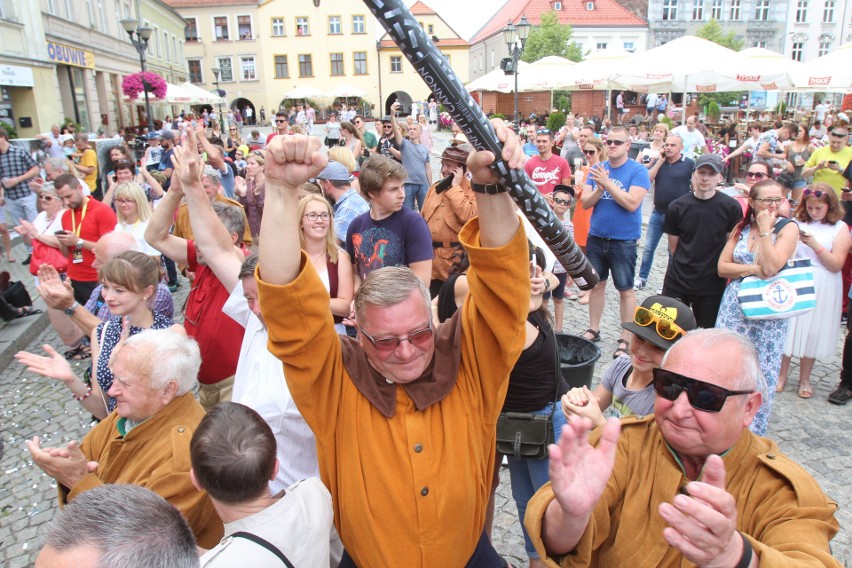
[824, 238]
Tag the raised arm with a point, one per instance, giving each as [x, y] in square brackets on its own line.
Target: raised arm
[397, 131]
[157, 234]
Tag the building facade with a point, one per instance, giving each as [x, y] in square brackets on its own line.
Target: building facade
[758, 23]
[816, 27]
[597, 25]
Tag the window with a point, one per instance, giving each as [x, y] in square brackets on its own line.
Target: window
[69, 9]
[195, 75]
[801, 11]
[828, 12]
[761, 10]
[306, 67]
[760, 44]
[396, 63]
[431, 29]
[226, 69]
[278, 27]
[629, 46]
[492, 58]
[191, 30]
[244, 27]
[220, 28]
[358, 25]
[336, 64]
[669, 9]
[51, 7]
[167, 54]
[247, 68]
[175, 50]
[334, 25]
[798, 49]
[282, 70]
[103, 14]
[360, 58]
[151, 43]
[156, 36]
[600, 46]
[697, 9]
[557, 6]
[91, 10]
[716, 10]
[590, 6]
[303, 27]
[824, 46]
[735, 9]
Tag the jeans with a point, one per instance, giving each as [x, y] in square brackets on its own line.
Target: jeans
[652, 238]
[22, 208]
[528, 476]
[415, 191]
[616, 255]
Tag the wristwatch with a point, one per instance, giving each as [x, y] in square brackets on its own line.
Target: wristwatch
[79, 245]
[69, 311]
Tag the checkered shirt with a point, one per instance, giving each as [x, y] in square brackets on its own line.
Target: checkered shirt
[13, 163]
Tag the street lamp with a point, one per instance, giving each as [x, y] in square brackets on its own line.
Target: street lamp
[218, 94]
[515, 37]
[141, 45]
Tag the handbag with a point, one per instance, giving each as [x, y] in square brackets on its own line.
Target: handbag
[16, 294]
[788, 294]
[524, 435]
[46, 254]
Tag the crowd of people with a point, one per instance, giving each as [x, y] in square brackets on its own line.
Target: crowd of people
[354, 329]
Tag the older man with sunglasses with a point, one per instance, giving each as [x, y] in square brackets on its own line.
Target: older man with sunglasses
[690, 484]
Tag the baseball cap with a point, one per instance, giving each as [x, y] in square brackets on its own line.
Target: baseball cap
[457, 154]
[712, 160]
[335, 171]
[666, 309]
[167, 135]
[386, 118]
[566, 188]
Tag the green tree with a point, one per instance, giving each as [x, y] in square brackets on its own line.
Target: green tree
[712, 31]
[551, 38]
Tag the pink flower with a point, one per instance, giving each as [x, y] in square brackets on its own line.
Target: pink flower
[135, 83]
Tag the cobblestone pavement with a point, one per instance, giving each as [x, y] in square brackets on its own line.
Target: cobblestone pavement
[812, 432]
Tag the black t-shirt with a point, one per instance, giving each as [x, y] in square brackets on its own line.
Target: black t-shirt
[702, 227]
[531, 382]
[672, 181]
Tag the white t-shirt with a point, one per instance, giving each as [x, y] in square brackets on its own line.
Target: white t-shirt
[691, 140]
[137, 229]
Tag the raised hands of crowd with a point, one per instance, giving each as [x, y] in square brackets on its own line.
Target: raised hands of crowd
[189, 167]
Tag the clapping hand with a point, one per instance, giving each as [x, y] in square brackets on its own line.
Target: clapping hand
[68, 465]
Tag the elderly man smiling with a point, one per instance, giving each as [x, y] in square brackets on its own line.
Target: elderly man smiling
[688, 485]
[145, 441]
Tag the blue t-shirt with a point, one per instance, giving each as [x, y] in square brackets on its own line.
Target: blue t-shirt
[228, 181]
[397, 240]
[415, 160]
[609, 219]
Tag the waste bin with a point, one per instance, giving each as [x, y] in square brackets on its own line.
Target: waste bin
[577, 358]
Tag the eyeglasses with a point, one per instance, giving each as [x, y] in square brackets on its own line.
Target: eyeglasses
[562, 201]
[416, 338]
[280, 120]
[47, 197]
[770, 200]
[666, 328]
[612, 142]
[836, 135]
[234, 129]
[314, 216]
[757, 175]
[815, 192]
[701, 395]
[590, 152]
[124, 201]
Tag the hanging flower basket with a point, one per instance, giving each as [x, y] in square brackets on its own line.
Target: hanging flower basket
[135, 83]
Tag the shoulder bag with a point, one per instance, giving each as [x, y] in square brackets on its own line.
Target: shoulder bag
[525, 435]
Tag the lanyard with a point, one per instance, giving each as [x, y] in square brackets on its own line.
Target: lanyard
[74, 228]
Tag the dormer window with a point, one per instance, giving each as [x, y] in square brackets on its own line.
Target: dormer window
[557, 6]
[590, 6]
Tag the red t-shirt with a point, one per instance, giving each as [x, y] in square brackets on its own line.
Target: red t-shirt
[98, 221]
[219, 337]
[547, 174]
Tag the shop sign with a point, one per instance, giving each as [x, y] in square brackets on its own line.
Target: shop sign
[67, 55]
[14, 76]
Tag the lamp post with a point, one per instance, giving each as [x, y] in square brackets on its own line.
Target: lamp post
[141, 44]
[515, 37]
[218, 94]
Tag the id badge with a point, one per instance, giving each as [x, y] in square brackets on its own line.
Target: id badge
[76, 256]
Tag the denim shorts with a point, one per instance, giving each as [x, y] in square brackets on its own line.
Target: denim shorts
[618, 256]
[559, 290]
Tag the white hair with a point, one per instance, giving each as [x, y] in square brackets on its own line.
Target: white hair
[172, 357]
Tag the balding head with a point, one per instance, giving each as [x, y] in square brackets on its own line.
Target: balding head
[111, 245]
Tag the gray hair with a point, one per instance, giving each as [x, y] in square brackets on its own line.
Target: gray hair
[716, 340]
[678, 136]
[170, 356]
[48, 187]
[129, 526]
[247, 269]
[57, 165]
[387, 287]
[232, 216]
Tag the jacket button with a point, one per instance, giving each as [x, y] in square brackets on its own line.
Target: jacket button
[424, 491]
[771, 456]
[418, 448]
[181, 429]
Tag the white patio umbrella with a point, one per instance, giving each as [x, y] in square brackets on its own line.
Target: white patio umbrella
[200, 96]
[760, 69]
[831, 72]
[498, 81]
[345, 90]
[175, 95]
[592, 73]
[305, 92]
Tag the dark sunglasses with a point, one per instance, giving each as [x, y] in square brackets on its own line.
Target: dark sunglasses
[758, 175]
[836, 135]
[543, 131]
[417, 338]
[280, 120]
[611, 142]
[666, 328]
[815, 192]
[701, 395]
[590, 152]
[562, 201]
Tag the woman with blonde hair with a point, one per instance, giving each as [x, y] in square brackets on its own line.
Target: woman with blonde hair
[133, 212]
[353, 138]
[330, 261]
[425, 132]
[594, 152]
[654, 151]
[343, 155]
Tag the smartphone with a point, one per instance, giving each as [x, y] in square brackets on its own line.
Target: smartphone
[832, 162]
[804, 233]
[534, 261]
[60, 232]
[444, 184]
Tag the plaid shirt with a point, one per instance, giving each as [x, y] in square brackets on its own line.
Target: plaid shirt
[349, 206]
[13, 163]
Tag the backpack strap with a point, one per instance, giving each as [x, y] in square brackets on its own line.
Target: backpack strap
[265, 544]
